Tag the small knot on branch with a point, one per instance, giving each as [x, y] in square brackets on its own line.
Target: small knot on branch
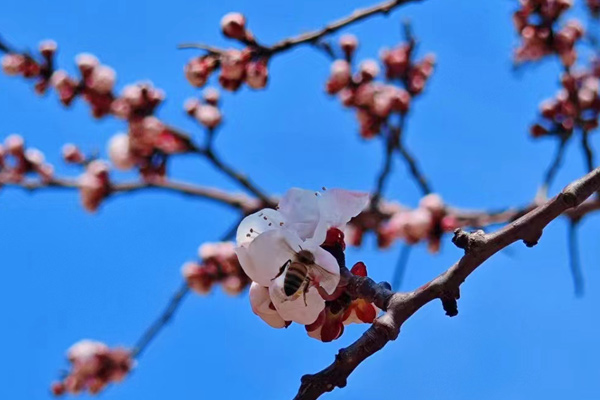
[569, 198]
[449, 302]
[469, 242]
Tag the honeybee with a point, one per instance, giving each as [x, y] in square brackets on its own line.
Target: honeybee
[299, 276]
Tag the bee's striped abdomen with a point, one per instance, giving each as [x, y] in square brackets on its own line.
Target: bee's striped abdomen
[294, 278]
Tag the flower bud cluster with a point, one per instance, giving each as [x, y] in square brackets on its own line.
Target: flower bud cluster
[93, 366]
[536, 22]
[248, 65]
[428, 222]
[16, 161]
[24, 65]
[94, 185]
[218, 264]
[342, 311]
[374, 101]
[206, 111]
[575, 105]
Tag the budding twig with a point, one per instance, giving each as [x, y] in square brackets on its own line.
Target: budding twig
[399, 307]
[576, 273]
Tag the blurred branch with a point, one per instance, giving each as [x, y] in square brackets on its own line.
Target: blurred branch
[418, 176]
[401, 266]
[574, 263]
[314, 36]
[236, 200]
[478, 246]
[554, 166]
[587, 150]
[155, 328]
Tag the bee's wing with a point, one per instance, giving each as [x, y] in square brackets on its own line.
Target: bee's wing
[324, 278]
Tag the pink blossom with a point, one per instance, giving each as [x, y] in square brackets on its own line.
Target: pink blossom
[86, 63]
[257, 74]
[233, 25]
[72, 154]
[94, 185]
[339, 76]
[208, 115]
[102, 79]
[47, 48]
[211, 96]
[348, 43]
[369, 69]
[12, 64]
[119, 152]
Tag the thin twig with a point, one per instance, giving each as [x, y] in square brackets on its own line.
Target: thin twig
[401, 266]
[478, 246]
[556, 162]
[313, 36]
[418, 176]
[587, 151]
[236, 200]
[155, 328]
[574, 263]
[391, 139]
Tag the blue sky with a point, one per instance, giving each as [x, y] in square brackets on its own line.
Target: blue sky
[68, 275]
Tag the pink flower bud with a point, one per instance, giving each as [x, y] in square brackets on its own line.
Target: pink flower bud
[94, 185]
[257, 74]
[47, 48]
[34, 156]
[233, 65]
[15, 145]
[12, 64]
[208, 115]
[233, 25]
[348, 43]
[133, 95]
[86, 63]
[72, 154]
[65, 86]
[191, 105]
[339, 77]
[432, 203]
[369, 69]
[102, 79]
[198, 69]
[211, 96]
[119, 152]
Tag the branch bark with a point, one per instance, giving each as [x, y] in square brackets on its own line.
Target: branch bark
[399, 307]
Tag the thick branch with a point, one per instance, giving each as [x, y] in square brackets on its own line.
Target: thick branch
[478, 247]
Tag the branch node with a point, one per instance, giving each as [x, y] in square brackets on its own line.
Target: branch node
[449, 301]
[568, 197]
[469, 242]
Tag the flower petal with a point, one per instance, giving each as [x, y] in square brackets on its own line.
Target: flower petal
[260, 302]
[328, 276]
[338, 206]
[294, 308]
[265, 255]
[257, 223]
[300, 208]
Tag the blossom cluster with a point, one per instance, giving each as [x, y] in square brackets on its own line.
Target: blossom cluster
[575, 105]
[24, 65]
[248, 65]
[16, 161]
[218, 265]
[293, 256]
[93, 366]
[148, 141]
[536, 22]
[594, 7]
[374, 101]
[205, 111]
[426, 223]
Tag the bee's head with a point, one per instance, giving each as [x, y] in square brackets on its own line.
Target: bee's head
[305, 257]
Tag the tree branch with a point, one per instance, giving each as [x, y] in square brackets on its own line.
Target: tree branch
[235, 200]
[314, 36]
[478, 247]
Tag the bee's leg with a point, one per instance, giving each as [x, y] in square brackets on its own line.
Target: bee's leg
[306, 287]
[282, 269]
